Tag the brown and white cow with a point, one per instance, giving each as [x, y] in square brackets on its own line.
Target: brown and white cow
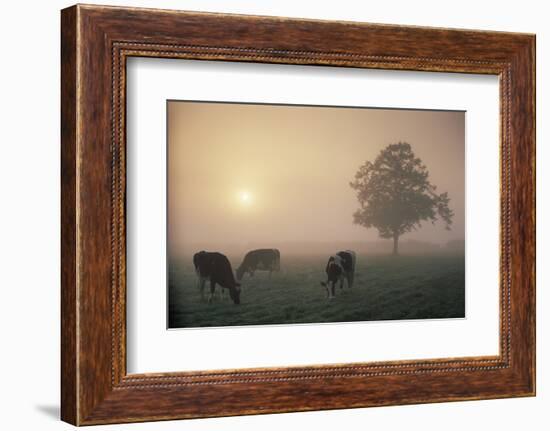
[216, 268]
[340, 266]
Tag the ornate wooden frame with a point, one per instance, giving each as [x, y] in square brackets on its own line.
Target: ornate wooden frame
[95, 43]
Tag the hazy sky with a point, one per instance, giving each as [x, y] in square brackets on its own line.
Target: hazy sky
[261, 174]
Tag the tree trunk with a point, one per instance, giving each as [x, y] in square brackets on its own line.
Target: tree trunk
[395, 240]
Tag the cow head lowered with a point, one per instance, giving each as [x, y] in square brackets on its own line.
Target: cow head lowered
[262, 259]
[335, 273]
[240, 272]
[216, 268]
[235, 293]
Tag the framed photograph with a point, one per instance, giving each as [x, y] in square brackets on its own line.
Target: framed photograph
[291, 214]
[264, 215]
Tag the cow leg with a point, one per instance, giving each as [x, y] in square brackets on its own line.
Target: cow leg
[212, 289]
[202, 282]
[333, 290]
[341, 283]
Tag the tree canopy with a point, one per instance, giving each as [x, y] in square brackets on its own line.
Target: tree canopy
[395, 194]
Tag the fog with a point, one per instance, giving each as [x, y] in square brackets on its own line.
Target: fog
[244, 176]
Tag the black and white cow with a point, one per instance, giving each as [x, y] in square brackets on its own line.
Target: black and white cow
[265, 259]
[340, 266]
[216, 268]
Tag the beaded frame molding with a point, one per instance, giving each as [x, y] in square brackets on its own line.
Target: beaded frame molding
[95, 43]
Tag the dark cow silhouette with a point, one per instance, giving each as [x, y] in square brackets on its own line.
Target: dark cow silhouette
[265, 259]
[340, 266]
[216, 267]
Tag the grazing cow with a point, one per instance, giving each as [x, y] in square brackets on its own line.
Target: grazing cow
[266, 259]
[340, 266]
[216, 268]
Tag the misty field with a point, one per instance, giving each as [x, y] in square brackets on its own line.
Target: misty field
[386, 288]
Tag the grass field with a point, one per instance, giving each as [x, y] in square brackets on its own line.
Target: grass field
[386, 288]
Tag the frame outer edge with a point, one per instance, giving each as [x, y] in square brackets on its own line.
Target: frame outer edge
[87, 397]
[531, 83]
[524, 214]
[533, 53]
[532, 99]
[69, 201]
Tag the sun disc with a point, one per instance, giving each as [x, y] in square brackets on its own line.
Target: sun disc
[245, 198]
